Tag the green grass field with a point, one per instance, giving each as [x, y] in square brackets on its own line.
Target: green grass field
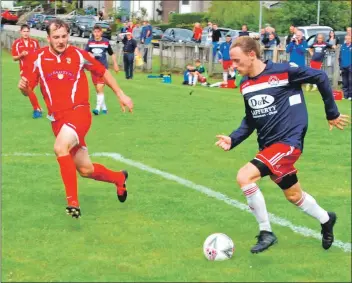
[157, 235]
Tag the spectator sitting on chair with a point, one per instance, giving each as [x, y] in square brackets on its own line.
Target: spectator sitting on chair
[197, 33]
[198, 74]
[224, 57]
[297, 49]
[244, 31]
[346, 67]
[317, 50]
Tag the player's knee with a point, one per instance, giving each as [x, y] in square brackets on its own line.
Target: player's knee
[294, 197]
[243, 177]
[85, 171]
[60, 149]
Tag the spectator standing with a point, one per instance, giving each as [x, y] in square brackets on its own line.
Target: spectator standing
[317, 50]
[244, 31]
[146, 38]
[349, 31]
[290, 35]
[297, 49]
[270, 46]
[346, 67]
[333, 40]
[209, 30]
[216, 35]
[129, 51]
[265, 37]
[197, 33]
[224, 57]
[101, 16]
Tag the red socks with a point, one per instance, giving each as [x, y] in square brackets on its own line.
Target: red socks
[34, 101]
[103, 174]
[69, 177]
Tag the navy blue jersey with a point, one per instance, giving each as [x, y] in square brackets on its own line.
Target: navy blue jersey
[275, 105]
[319, 50]
[99, 50]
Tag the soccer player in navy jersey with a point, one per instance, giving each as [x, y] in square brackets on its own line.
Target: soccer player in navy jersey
[275, 107]
[98, 47]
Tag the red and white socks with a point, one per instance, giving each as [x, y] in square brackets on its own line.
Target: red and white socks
[256, 203]
[309, 205]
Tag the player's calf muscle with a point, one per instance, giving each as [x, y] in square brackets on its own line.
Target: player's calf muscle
[248, 174]
[85, 171]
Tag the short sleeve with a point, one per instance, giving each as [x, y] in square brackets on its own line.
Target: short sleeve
[14, 50]
[93, 65]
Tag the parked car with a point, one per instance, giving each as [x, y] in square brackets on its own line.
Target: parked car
[339, 34]
[157, 35]
[33, 20]
[308, 31]
[82, 25]
[9, 17]
[105, 28]
[44, 21]
[177, 35]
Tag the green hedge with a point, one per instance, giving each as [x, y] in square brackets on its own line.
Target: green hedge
[189, 18]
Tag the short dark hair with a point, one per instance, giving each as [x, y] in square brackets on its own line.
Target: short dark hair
[97, 27]
[197, 61]
[24, 26]
[58, 24]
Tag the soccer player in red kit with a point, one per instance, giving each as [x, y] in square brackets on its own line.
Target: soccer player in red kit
[21, 48]
[59, 68]
[275, 108]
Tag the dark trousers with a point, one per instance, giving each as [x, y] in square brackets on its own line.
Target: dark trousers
[347, 82]
[128, 59]
[145, 55]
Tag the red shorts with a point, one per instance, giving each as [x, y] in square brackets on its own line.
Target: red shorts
[316, 65]
[79, 120]
[279, 158]
[97, 80]
[226, 64]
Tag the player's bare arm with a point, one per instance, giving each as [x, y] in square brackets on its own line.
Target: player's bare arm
[125, 101]
[116, 67]
[22, 54]
[23, 85]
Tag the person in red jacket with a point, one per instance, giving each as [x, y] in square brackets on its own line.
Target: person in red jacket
[21, 48]
[197, 33]
[59, 69]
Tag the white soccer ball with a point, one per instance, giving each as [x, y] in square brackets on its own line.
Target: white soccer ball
[218, 246]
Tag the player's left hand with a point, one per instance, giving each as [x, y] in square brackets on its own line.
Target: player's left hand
[340, 122]
[116, 68]
[223, 142]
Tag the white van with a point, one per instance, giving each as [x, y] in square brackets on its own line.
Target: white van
[308, 31]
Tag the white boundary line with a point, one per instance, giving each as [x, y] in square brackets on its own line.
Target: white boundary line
[304, 231]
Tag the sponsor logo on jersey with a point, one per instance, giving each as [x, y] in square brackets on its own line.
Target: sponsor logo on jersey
[260, 101]
[273, 80]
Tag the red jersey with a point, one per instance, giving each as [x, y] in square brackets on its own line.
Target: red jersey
[21, 45]
[62, 79]
[197, 33]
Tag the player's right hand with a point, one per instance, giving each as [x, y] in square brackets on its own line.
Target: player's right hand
[340, 122]
[126, 101]
[23, 84]
[223, 142]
